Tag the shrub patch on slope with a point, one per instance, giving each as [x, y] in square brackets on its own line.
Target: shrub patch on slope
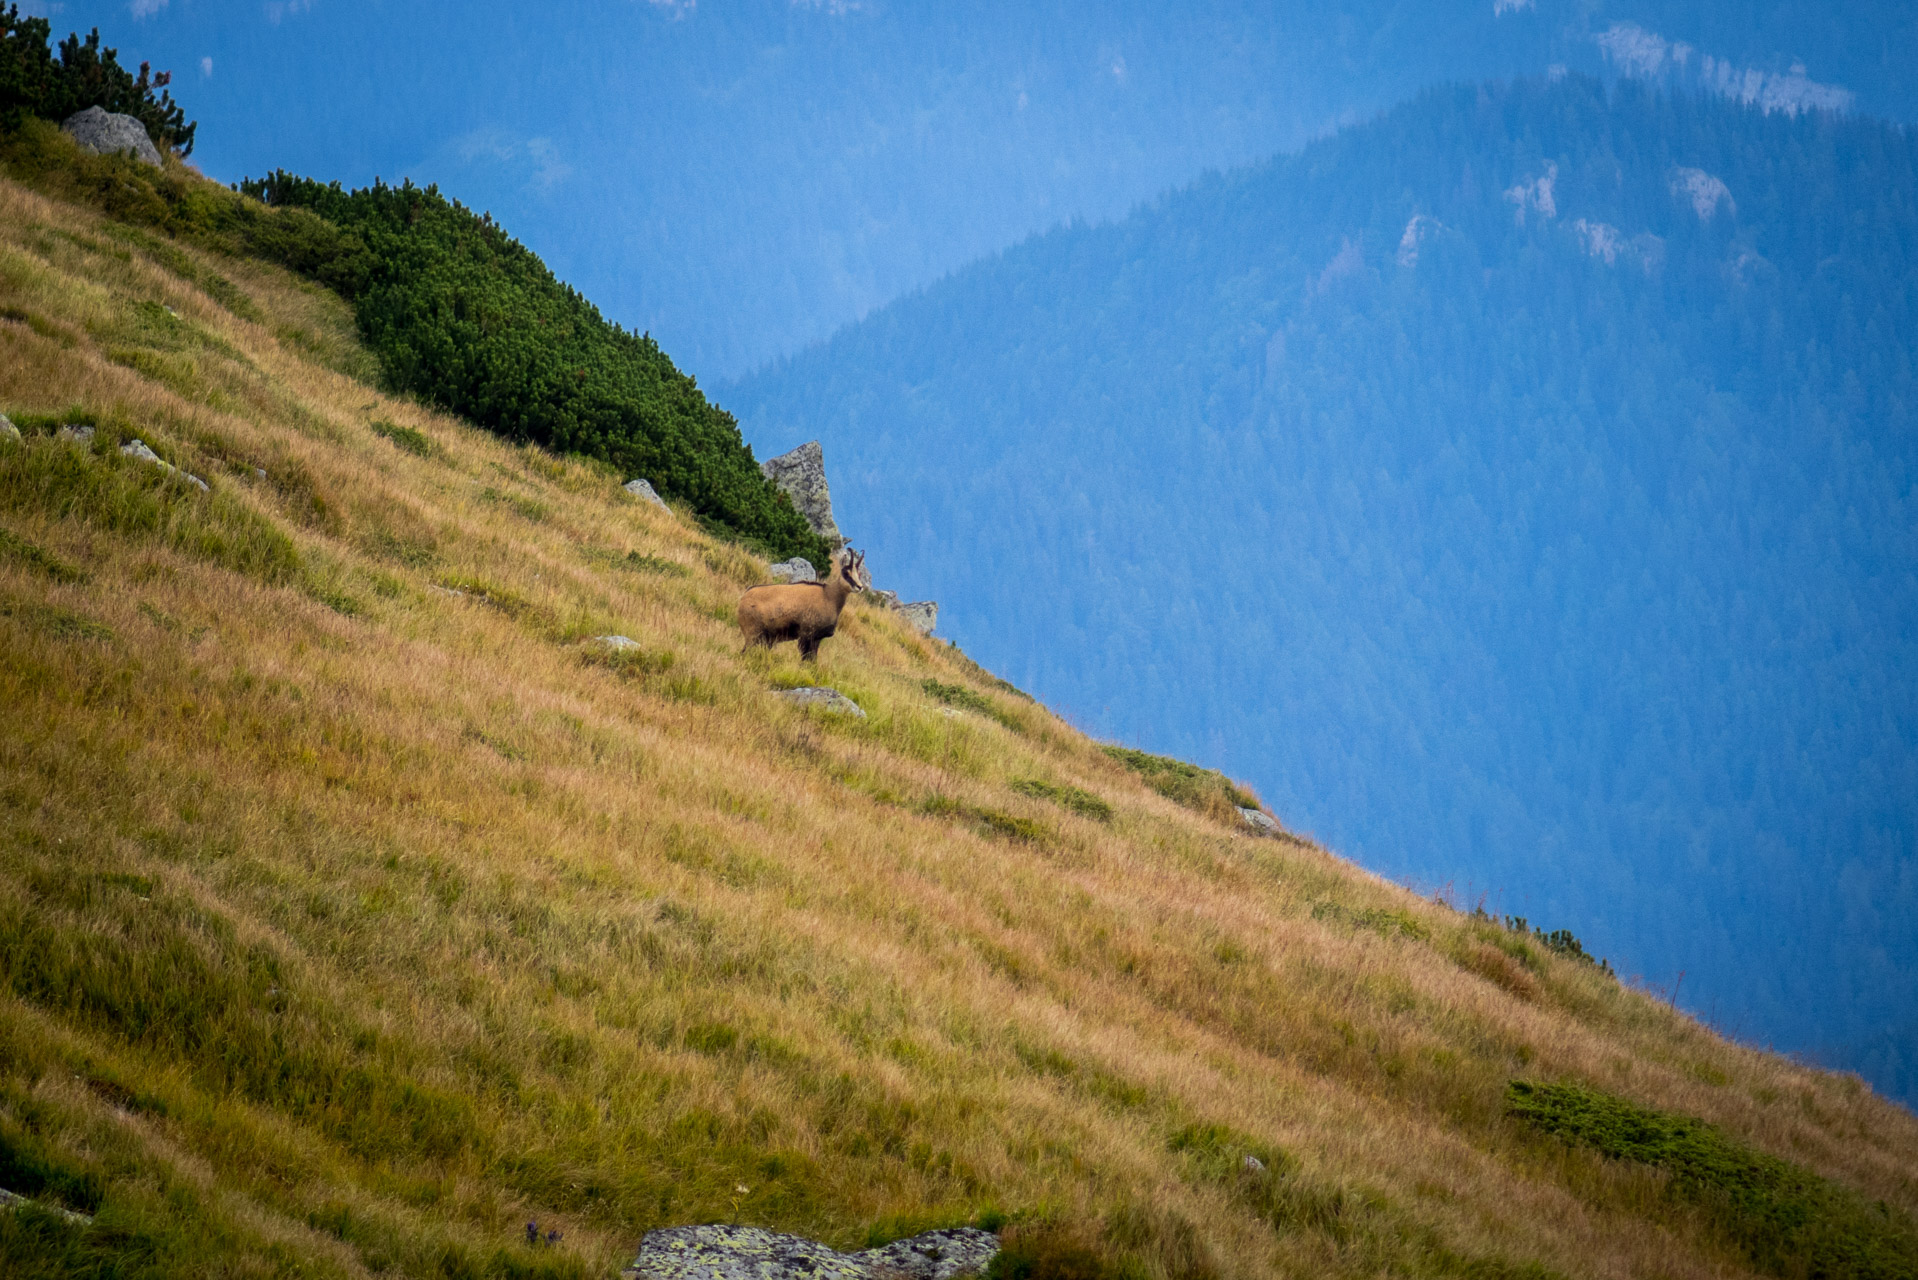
[466, 317]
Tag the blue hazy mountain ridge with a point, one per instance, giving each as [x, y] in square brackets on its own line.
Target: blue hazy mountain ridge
[740, 178]
[1518, 489]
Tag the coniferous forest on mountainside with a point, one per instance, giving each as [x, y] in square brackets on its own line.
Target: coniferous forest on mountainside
[1517, 488]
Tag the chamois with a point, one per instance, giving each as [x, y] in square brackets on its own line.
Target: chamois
[804, 611]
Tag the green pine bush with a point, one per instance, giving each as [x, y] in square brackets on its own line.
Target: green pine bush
[33, 83]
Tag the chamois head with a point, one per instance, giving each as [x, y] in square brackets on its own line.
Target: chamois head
[852, 567]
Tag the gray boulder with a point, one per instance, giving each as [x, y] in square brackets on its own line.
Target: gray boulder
[643, 490]
[618, 643]
[1259, 822]
[138, 451]
[922, 614]
[802, 474]
[752, 1253]
[797, 569]
[105, 132]
[74, 433]
[824, 699]
[7, 430]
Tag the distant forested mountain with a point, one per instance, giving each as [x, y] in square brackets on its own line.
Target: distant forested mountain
[1519, 489]
[741, 178]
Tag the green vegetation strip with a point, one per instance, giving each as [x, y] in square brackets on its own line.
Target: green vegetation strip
[1080, 802]
[1206, 790]
[1786, 1220]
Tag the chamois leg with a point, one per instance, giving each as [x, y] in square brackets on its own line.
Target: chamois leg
[808, 649]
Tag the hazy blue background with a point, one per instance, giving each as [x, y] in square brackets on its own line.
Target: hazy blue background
[742, 176]
[1584, 583]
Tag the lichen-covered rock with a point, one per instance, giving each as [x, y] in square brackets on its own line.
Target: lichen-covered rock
[643, 490]
[922, 614]
[936, 1255]
[824, 699]
[752, 1253]
[104, 132]
[797, 569]
[802, 474]
[74, 433]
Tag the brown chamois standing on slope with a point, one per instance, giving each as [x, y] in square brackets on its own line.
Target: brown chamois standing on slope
[804, 611]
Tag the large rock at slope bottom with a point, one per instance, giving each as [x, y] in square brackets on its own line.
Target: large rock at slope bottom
[802, 474]
[752, 1253]
[105, 132]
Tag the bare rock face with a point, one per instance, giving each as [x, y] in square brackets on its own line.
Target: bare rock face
[752, 1253]
[802, 474]
[104, 132]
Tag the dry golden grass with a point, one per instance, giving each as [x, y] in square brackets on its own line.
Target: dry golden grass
[352, 915]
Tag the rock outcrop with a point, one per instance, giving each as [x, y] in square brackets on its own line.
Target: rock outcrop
[643, 490]
[802, 474]
[753, 1253]
[1259, 821]
[797, 569]
[138, 451]
[7, 430]
[105, 132]
[823, 698]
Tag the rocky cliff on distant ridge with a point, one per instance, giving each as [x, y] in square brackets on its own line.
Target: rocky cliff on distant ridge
[802, 474]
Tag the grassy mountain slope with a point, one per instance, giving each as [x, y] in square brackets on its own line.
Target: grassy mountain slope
[1502, 511]
[356, 908]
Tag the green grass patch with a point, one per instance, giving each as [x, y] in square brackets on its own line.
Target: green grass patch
[664, 568]
[1205, 790]
[406, 439]
[991, 822]
[61, 624]
[1786, 1220]
[1080, 802]
[98, 487]
[1385, 921]
[17, 549]
[964, 699]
